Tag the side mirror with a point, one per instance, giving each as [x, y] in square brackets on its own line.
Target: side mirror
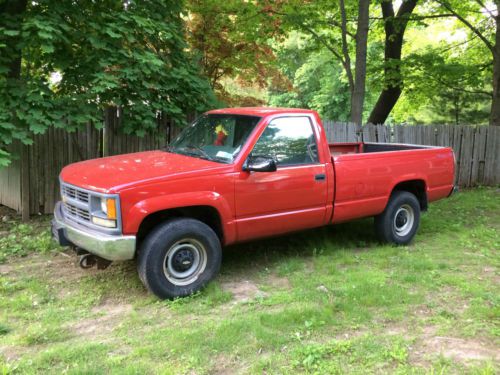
[260, 164]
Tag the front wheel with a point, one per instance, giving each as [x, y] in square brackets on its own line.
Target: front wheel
[179, 258]
[400, 219]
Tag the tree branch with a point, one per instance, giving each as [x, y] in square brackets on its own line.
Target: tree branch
[423, 17]
[320, 39]
[481, 4]
[337, 24]
[474, 29]
[460, 89]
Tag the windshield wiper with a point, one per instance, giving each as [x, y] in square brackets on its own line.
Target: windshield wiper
[201, 152]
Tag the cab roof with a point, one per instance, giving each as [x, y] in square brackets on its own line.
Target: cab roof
[258, 111]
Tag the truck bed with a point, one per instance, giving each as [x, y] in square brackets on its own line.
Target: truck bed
[366, 173]
[360, 147]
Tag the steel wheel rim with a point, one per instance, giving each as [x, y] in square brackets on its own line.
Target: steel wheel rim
[403, 220]
[184, 261]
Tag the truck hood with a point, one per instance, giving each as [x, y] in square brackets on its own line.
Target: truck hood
[114, 173]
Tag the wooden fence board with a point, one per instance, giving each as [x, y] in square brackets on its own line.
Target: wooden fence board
[466, 156]
[492, 157]
[10, 179]
[477, 167]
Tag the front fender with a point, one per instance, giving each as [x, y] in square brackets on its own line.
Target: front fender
[139, 211]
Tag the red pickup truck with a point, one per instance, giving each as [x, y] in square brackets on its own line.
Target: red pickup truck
[236, 175]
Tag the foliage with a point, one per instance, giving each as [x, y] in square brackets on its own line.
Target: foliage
[78, 59]
[331, 300]
[444, 90]
[228, 38]
[446, 69]
[331, 28]
[23, 239]
[317, 81]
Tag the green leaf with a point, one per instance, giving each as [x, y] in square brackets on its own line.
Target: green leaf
[11, 32]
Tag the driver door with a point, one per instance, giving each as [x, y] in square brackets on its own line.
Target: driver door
[293, 197]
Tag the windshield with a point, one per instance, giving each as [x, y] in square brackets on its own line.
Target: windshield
[214, 137]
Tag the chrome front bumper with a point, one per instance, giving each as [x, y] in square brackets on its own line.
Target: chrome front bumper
[110, 247]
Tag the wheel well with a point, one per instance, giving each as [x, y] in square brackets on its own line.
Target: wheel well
[417, 188]
[205, 214]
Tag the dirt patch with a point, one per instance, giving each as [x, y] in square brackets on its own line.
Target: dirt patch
[55, 267]
[309, 266]
[7, 215]
[446, 300]
[223, 365]
[109, 315]
[278, 282]
[457, 349]
[12, 353]
[398, 330]
[5, 269]
[461, 349]
[242, 291]
[493, 274]
[350, 335]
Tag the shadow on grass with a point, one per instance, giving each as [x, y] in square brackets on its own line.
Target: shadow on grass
[267, 252]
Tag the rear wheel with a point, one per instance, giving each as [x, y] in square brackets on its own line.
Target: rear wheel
[179, 258]
[400, 219]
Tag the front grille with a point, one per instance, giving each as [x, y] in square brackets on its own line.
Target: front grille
[79, 205]
[76, 212]
[79, 195]
[76, 203]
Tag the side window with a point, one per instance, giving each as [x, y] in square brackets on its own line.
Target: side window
[290, 140]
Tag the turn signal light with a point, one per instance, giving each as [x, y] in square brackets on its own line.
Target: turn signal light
[111, 208]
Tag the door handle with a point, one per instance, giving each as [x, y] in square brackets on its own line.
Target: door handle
[320, 177]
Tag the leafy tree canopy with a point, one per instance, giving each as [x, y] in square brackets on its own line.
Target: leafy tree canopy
[229, 39]
[62, 62]
[445, 71]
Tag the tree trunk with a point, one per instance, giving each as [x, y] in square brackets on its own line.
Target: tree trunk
[395, 27]
[358, 94]
[495, 102]
[345, 47]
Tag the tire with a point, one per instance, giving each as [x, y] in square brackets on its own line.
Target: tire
[400, 219]
[178, 258]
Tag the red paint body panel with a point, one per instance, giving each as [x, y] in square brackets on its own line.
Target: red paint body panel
[365, 181]
[114, 173]
[252, 204]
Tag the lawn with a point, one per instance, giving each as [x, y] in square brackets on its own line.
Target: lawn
[331, 300]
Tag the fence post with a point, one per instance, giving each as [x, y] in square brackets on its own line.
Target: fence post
[105, 129]
[25, 183]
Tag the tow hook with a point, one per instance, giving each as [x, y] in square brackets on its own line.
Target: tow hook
[88, 260]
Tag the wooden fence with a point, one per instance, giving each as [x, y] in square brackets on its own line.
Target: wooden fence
[477, 148]
[30, 184]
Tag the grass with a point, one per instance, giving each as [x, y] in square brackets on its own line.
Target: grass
[331, 300]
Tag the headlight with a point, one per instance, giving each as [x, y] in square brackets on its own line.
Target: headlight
[108, 208]
[104, 222]
[104, 206]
